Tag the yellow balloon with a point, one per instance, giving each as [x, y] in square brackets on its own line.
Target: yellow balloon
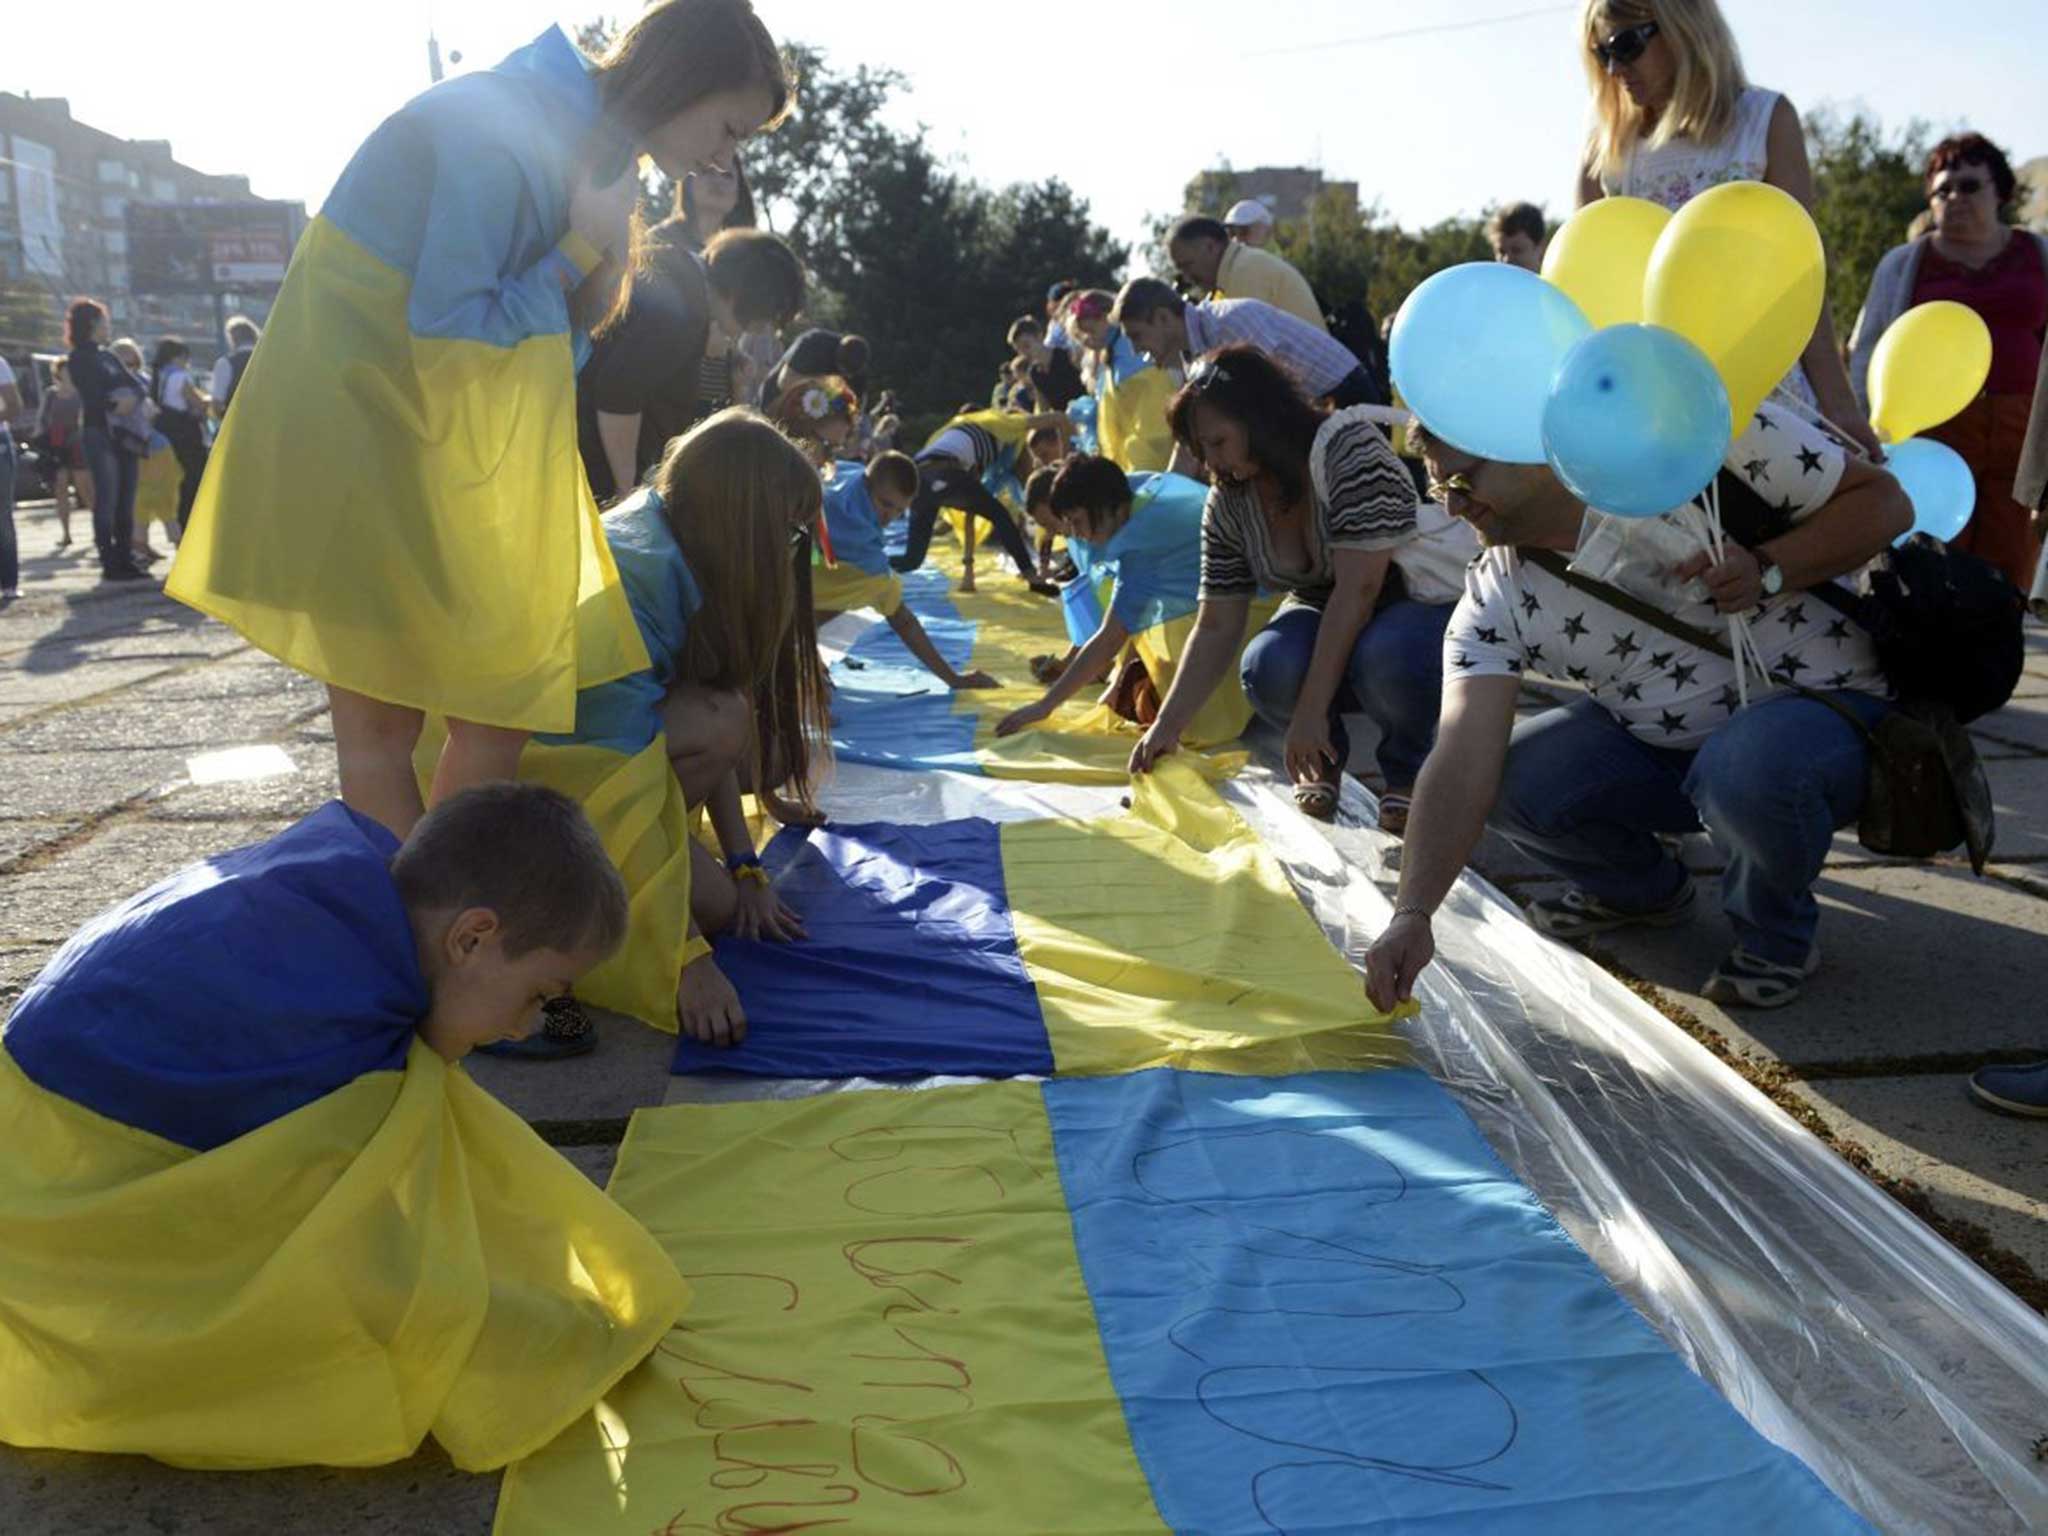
[1740, 273]
[1930, 363]
[1602, 254]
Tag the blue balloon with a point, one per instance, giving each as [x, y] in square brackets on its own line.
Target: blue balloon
[1473, 353]
[1937, 482]
[1637, 422]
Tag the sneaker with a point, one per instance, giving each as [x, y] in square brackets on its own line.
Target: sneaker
[1577, 915]
[565, 1030]
[125, 573]
[2013, 1090]
[1744, 980]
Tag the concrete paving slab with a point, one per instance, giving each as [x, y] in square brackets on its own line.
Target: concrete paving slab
[627, 1071]
[2019, 790]
[1919, 960]
[316, 781]
[60, 1493]
[21, 838]
[51, 901]
[1978, 1166]
[2022, 724]
[82, 784]
[37, 632]
[24, 693]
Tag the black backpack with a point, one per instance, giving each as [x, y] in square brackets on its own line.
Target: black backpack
[1947, 625]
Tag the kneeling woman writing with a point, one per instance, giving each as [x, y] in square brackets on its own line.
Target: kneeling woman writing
[1314, 503]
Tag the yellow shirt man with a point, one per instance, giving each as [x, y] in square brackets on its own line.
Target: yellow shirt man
[1247, 272]
[1212, 263]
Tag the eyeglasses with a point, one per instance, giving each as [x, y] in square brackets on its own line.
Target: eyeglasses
[1626, 46]
[1441, 491]
[1956, 186]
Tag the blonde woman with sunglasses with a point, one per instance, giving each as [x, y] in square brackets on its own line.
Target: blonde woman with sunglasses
[1674, 116]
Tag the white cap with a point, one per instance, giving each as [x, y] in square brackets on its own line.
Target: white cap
[1247, 213]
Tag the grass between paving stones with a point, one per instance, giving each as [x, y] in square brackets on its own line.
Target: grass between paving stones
[1780, 1084]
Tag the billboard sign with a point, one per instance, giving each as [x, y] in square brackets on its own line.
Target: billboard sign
[207, 247]
[35, 198]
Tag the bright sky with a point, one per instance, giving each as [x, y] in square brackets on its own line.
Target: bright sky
[1432, 123]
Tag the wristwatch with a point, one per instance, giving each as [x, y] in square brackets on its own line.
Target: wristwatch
[1769, 572]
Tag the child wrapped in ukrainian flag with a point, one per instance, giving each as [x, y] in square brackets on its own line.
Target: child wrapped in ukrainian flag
[257, 1214]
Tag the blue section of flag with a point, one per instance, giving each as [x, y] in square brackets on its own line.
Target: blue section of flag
[1327, 1306]
[887, 710]
[910, 967]
[234, 992]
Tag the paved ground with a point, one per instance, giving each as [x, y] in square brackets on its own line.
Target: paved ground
[130, 729]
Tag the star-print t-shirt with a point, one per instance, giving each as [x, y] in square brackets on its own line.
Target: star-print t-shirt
[1517, 618]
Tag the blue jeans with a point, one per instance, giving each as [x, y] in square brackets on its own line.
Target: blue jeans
[1583, 797]
[115, 473]
[10, 550]
[1394, 677]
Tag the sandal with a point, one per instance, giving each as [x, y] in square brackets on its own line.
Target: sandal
[1317, 800]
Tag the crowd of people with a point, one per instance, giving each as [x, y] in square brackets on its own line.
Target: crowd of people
[550, 497]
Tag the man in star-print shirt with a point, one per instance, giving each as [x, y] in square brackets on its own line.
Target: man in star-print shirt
[1660, 743]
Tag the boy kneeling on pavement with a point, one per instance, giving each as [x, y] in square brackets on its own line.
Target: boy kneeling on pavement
[254, 1213]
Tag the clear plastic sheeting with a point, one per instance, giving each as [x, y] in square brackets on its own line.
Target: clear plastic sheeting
[1839, 1324]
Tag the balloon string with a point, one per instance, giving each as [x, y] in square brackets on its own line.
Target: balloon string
[1742, 646]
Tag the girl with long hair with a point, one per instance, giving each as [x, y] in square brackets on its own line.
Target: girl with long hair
[1675, 115]
[395, 504]
[712, 555]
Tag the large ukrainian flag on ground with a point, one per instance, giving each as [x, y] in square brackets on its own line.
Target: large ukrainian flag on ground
[395, 504]
[1168, 1301]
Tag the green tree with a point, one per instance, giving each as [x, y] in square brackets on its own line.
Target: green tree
[1867, 189]
[929, 265]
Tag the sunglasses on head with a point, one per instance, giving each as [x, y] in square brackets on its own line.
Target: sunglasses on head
[1957, 186]
[1206, 372]
[1625, 46]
